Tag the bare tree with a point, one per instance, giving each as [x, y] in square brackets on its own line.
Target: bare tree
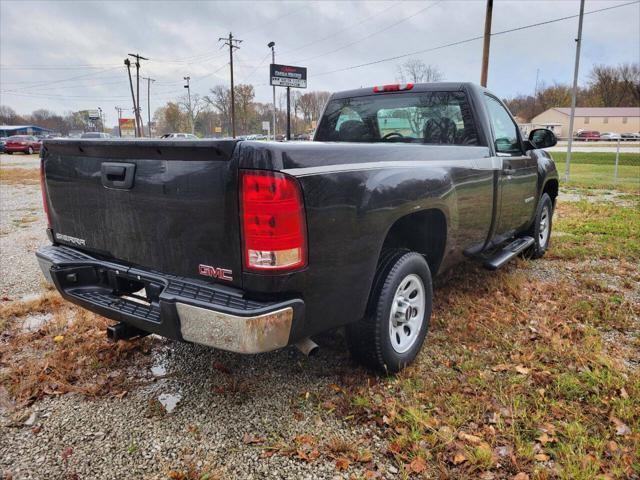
[220, 99]
[416, 71]
[630, 76]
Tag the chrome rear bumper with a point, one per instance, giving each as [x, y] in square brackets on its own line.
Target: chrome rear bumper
[174, 307]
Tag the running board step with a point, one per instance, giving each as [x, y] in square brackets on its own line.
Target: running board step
[507, 253]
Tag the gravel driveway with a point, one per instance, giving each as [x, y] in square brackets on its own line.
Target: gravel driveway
[215, 403]
[263, 396]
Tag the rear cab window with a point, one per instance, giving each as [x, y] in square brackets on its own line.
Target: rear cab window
[441, 118]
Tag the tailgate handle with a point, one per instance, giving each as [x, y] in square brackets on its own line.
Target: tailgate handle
[118, 175]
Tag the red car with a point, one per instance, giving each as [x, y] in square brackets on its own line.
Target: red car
[588, 136]
[22, 143]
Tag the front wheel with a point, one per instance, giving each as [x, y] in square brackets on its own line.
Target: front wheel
[541, 228]
[397, 319]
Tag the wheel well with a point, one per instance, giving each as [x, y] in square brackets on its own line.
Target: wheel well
[551, 189]
[424, 232]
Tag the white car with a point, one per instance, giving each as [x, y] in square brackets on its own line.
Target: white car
[609, 136]
[179, 136]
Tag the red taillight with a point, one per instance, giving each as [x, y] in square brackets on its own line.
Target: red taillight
[43, 188]
[395, 87]
[273, 224]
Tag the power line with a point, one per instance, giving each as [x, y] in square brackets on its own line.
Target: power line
[460, 42]
[364, 20]
[402, 20]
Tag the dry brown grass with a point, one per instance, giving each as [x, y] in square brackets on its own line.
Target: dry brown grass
[515, 378]
[21, 176]
[70, 353]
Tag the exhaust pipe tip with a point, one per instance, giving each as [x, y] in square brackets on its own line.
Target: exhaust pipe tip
[307, 346]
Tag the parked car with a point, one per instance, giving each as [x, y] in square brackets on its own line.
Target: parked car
[22, 143]
[302, 136]
[588, 136]
[630, 136]
[2, 144]
[179, 136]
[95, 135]
[250, 246]
[610, 136]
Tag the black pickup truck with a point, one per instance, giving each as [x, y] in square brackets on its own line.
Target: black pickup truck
[251, 246]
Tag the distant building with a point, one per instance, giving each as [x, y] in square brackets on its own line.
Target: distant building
[600, 119]
[9, 130]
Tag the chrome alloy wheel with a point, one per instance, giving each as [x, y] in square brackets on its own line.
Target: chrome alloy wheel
[407, 313]
[543, 232]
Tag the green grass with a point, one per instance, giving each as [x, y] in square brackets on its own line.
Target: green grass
[598, 158]
[596, 230]
[596, 170]
[602, 176]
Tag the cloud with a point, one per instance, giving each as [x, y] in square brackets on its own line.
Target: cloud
[181, 38]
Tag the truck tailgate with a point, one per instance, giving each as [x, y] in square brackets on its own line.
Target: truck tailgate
[170, 206]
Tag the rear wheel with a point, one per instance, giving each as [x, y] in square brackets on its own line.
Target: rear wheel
[397, 319]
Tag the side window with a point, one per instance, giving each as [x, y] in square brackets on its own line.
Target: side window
[505, 130]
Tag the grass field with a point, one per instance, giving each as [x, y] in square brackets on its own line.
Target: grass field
[596, 170]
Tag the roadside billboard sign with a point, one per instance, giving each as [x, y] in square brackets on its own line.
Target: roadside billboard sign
[127, 127]
[93, 114]
[288, 76]
[266, 126]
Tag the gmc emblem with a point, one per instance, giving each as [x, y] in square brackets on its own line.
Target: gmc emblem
[215, 272]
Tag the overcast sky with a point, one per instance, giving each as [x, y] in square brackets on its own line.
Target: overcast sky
[65, 55]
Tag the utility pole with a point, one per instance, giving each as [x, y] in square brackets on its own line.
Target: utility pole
[288, 113]
[574, 93]
[138, 57]
[149, 80]
[232, 43]
[127, 62]
[271, 45]
[119, 110]
[101, 120]
[188, 87]
[487, 42]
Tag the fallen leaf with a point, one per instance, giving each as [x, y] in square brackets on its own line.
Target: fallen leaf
[544, 439]
[58, 338]
[221, 367]
[418, 465]
[542, 457]
[459, 458]
[521, 369]
[501, 367]
[521, 476]
[612, 446]
[252, 439]
[621, 427]
[66, 453]
[623, 393]
[342, 463]
[469, 438]
[371, 475]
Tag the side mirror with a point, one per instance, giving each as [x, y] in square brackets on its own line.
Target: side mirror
[542, 138]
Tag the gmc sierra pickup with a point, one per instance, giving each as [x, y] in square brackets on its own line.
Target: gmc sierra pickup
[252, 246]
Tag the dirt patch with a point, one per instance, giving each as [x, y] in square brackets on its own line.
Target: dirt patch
[19, 176]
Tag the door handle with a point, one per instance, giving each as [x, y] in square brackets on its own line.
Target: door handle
[118, 175]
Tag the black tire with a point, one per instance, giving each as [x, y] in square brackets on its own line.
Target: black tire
[369, 339]
[541, 242]
[9, 153]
